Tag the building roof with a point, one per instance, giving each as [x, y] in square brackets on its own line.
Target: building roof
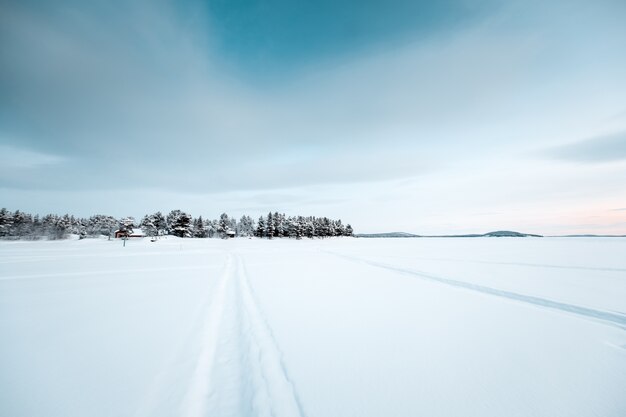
[136, 232]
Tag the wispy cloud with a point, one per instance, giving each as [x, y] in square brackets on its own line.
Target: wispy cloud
[604, 148]
[13, 158]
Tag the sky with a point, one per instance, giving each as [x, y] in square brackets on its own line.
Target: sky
[453, 116]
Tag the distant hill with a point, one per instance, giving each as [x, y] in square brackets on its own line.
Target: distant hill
[508, 233]
[499, 233]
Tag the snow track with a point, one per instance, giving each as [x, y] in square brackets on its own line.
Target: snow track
[607, 317]
[525, 264]
[200, 389]
[239, 370]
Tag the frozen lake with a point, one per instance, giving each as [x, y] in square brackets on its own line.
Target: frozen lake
[317, 328]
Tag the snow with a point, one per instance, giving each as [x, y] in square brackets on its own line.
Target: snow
[333, 327]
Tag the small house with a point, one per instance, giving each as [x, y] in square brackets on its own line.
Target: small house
[119, 234]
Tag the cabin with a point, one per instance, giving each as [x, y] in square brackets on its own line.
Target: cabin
[119, 234]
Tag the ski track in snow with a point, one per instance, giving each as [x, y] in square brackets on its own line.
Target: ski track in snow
[162, 390]
[239, 371]
[607, 317]
[525, 264]
[195, 401]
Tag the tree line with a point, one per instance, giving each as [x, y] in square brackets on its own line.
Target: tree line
[21, 225]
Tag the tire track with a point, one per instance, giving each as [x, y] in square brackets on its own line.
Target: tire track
[606, 317]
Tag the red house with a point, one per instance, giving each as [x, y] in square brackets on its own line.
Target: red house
[125, 233]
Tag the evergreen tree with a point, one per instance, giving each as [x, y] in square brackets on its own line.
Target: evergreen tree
[60, 229]
[160, 223]
[127, 224]
[18, 224]
[337, 228]
[148, 226]
[291, 227]
[223, 225]
[245, 226]
[179, 223]
[297, 227]
[260, 229]
[211, 228]
[199, 230]
[270, 226]
[6, 221]
[309, 228]
[279, 225]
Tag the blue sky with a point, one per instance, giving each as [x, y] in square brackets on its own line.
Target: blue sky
[427, 117]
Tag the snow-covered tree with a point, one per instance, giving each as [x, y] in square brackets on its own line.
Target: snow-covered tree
[199, 229]
[245, 227]
[58, 227]
[101, 224]
[223, 225]
[154, 224]
[179, 223]
[279, 225]
[260, 228]
[211, 228]
[127, 224]
[159, 222]
[20, 225]
[6, 221]
[148, 226]
[270, 226]
[300, 227]
[18, 222]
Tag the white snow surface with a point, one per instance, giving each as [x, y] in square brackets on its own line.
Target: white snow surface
[313, 328]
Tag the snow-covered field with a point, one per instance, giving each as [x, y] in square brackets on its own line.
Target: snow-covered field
[325, 328]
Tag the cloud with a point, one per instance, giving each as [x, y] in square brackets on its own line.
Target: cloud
[606, 148]
[20, 158]
[20, 167]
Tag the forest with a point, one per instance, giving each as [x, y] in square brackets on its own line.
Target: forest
[21, 225]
